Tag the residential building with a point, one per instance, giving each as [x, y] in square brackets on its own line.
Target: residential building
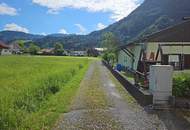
[170, 46]
[5, 49]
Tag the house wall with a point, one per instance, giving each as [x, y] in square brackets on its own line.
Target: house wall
[128, 61]
[5, 52]
[78, 53]
[171, 54]
[153, 47]
[177, 49]
[136, 51]
[150, 47]
[124, 59]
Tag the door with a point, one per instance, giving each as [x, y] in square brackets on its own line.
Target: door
[186, 61]
[165, 59]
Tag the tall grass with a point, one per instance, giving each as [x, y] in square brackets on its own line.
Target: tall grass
[35, 90]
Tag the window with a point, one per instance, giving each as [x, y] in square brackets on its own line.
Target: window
[174, 60]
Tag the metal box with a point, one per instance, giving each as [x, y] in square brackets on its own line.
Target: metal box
[160, 83]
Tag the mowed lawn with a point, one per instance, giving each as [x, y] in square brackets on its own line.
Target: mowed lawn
[34, 91]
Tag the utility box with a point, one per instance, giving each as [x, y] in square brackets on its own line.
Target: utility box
[160, 83]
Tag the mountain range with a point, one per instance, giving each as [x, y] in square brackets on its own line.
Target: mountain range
[151, 16]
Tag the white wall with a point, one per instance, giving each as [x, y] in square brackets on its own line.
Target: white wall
[153, 46]
[6, 52]
[126, 60]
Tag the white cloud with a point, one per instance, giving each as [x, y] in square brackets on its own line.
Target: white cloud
[15, 27]
[44, 34]
[117, 8]
[7, 10]
[82, 29]
[63, 31]
[100, 26]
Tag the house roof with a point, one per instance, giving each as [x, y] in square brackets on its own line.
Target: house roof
[3, 45]
[176, 33]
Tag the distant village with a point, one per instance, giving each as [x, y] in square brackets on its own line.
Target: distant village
[16, 48]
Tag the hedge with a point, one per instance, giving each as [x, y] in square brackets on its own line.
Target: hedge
[181, 85]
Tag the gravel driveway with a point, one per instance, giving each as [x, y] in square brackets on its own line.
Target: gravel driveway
[103, 104]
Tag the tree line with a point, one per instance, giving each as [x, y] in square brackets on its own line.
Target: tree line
[108, 41]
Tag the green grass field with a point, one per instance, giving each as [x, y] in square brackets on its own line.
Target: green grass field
[34, 91]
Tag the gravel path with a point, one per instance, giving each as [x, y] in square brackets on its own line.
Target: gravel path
[102, 104]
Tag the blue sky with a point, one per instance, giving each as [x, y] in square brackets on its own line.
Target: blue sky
[62, 16]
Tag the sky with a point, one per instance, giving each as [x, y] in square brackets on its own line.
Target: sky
[62, 16]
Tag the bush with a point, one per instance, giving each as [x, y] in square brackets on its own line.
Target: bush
[181, 85]
[80, 66]
[105, 57]
[33, 49]
[110, 58]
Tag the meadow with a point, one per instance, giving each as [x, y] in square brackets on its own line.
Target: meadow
[35, 91]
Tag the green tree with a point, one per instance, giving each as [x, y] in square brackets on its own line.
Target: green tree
[109, 41]
[58, 48]
[21, 43]
[33, 49]
[109, 57]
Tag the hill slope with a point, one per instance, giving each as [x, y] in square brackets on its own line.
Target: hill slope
[7, 36]
[149, 17]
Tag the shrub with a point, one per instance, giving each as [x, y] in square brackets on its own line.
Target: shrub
[80, 66]
[181, 85]
[110, 58]
[105, 57]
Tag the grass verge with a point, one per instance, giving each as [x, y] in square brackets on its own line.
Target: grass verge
[125, 94]
[58, 104]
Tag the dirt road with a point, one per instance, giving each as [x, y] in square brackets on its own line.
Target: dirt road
[103, 104]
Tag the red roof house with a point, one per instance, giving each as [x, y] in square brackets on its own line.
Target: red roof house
[3, 45]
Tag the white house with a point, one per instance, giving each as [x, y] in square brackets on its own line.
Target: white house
[78, 53]
[5, 49]
[15, 48]
[170, 46]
